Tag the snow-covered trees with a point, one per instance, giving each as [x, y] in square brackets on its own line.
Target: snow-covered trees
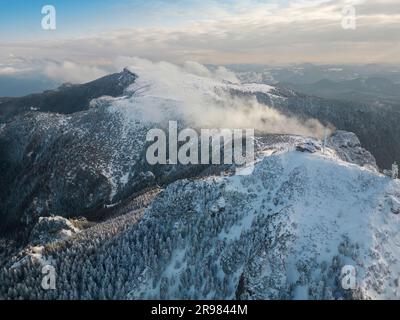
[178, 248]
[395, 171]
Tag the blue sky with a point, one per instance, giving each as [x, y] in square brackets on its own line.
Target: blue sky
[20, 19]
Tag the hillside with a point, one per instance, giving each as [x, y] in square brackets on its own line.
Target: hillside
[283, 232]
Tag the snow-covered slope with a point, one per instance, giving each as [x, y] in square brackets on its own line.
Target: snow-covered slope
[283, 232]
[72, 165]
[199, 98]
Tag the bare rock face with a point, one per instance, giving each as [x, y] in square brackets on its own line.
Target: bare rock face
[345, 139]
[348, 148]
[309, 146]
[52, 229]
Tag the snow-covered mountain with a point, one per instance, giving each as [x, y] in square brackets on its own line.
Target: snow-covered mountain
[74, 164]
[361, 99]
[67, 98]
[283, 232]
[80, 195]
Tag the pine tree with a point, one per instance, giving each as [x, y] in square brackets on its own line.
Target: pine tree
[395, 171]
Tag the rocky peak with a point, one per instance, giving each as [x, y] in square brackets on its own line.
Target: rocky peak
[348, 147]
[52, 229]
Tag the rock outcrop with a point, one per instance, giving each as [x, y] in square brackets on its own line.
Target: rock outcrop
[51, 229]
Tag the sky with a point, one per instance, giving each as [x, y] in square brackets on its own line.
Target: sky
[91, 35]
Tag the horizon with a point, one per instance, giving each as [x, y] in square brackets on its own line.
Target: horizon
[275, 33]
[57, 74]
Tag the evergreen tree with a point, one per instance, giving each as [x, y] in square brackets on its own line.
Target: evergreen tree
[395, 171]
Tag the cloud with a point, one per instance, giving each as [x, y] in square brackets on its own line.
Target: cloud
[68, 71]
[59, 71]
[202, 99]
[8, 71]
[245, 31]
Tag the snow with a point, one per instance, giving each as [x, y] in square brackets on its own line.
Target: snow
[328, 213]
[34, 254]
[337, 200]
[125, 178]
[283, 231]
[395, 204]
[184, 84]
[286, 223]
[250, 77]
[253, 87]
[198, 100]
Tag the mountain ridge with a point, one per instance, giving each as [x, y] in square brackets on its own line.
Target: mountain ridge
[283, 232]
[68, 98]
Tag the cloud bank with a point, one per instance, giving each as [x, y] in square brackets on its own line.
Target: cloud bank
[201, 98]
[245, 31]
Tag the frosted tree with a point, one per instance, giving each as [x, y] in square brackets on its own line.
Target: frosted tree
[395, 171]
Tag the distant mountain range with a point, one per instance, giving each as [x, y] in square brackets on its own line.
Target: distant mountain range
[374, 91]
[308, 73]
[364, 99]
